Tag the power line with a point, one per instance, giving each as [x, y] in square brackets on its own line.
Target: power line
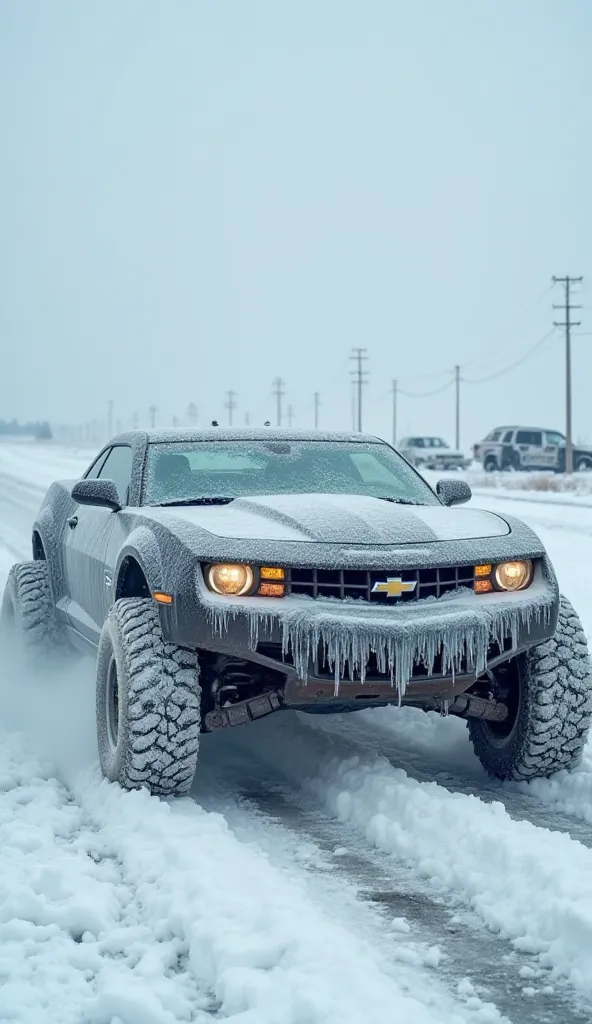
[568, 323]
[360, 377]
[279, 390]
[512, 366]
[230, 404]
[507, 330]
[427, 394]
[519, 318]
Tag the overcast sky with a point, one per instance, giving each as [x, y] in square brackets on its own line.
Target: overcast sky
[201, 196]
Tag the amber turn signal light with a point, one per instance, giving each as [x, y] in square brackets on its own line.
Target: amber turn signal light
[162, 598]
[483, 570]
[267, 572]
[483, 586]
[271, 590]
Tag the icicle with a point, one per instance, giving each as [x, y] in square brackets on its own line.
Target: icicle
[456, 629]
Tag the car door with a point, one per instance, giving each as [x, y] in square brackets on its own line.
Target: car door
[529, 444]
[553, 442]
[89, 532]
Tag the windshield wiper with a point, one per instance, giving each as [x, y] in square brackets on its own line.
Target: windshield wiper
[400, 501]
[195, 501]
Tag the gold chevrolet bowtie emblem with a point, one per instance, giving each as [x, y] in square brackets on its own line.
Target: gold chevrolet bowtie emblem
[394, 586]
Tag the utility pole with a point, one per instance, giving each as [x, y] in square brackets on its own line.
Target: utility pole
[230, 405]
[279, 390]
[317, 402]
[110, 419]
[360, 377]
[152, 413]
[568, 323]
[457, 417]
[247, 419]
[192, 414]
[290, 415]
[394, 414]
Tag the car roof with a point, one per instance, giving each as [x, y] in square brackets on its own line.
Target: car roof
[163, 436]
[548, 430]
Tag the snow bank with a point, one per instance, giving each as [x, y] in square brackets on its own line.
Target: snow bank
[531, 885]
[540, 488]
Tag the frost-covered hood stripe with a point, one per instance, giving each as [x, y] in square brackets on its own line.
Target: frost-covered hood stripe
[336, 519]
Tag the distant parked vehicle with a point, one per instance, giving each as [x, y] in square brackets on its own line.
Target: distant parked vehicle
[528, 448]
[431, 453]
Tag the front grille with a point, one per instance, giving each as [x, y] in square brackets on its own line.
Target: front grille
[359, 583]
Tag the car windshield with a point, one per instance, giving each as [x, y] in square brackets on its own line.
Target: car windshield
[555, 438]
[208, 470]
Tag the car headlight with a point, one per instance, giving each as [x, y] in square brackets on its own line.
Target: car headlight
[230, 580]
[515, 575]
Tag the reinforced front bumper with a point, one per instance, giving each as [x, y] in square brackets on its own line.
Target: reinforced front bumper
[331, 648]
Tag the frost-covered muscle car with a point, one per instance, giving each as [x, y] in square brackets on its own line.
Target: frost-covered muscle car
[220, 576]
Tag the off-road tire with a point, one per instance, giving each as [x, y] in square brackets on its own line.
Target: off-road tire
[27, 617]
[156, 742]
[490, 464]
[554, 708]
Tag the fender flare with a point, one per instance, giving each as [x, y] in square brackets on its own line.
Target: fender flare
[142, 546]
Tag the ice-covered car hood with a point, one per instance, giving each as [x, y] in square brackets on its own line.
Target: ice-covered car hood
[334, 519]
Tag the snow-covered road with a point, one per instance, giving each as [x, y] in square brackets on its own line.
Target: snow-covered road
[348, 869]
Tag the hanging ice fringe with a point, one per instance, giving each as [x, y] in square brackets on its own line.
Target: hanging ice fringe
[457, 630]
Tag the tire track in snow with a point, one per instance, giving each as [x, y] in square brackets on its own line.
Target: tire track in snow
[531, 885]
[438, 930]
[430, 749]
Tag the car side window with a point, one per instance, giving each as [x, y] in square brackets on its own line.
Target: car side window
[533, 437]
[418, 442]
[94, 472]
[118, 467]
[552, 437]
[507, 438]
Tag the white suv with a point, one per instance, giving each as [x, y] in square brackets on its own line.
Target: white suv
[431, 453]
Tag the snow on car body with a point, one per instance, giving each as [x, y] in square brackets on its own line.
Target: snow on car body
[223, 575]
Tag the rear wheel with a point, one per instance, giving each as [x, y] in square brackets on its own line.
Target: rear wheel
[583, 464]
[490, 464]
[27, 619]
[549, 696]
[147, 702]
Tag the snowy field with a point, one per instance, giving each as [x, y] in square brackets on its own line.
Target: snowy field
[325, 871]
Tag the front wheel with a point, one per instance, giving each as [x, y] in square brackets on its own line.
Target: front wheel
[549, 695]
[583, 464]
[147, 702]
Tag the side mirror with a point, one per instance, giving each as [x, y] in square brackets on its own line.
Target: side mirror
[453, 492]
[97, 492]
